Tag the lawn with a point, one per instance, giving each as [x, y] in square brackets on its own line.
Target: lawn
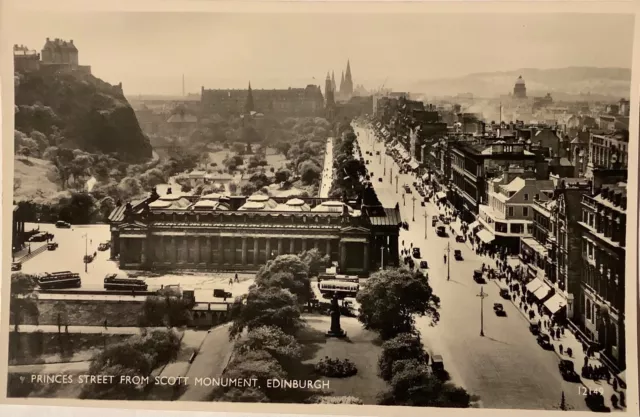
[33, 176]
[359, 346]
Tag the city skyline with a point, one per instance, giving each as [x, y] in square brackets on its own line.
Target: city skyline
[232, 51]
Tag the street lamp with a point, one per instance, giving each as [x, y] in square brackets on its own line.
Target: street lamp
[448, 261]
[404, 203]
[86, 248]
[482, 296]
[391, 176]
[414, 208]
[385, 167]
[396, 183]
[425, 215]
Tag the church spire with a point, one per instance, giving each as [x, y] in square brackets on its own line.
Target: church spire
[333, 81]
[348, 80]
[248, 105]
[342, 83]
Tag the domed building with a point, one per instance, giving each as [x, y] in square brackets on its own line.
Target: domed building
[520, 89]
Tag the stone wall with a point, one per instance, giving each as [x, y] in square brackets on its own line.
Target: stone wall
[87, 313]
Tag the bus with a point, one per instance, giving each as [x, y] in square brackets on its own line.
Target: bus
[57, 280]
[113, 282]
[341, 288]
[342, 278]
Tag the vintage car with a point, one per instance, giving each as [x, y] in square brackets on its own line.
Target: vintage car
[416, 253]
[424, 265]
[405, 225]
[446, 220]
[52, 246]
[478, 276]
[63, 225]
[441, 231]
[88, 258]
[437, 363]
[379, 179]
[545, 341]
[460, 238]
[567, 371]
[498, 308]
[104, 246]
[218, 293]
[533, 327]
[457, 254]
[504, 293]
[16, 266]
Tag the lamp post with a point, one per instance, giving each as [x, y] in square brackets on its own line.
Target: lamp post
[86, 248]
[391, 176]
[385, 167]
[482, 296]
[448, 261]
[414, 208]
[425, 215]
[404, 203]
[396, 183]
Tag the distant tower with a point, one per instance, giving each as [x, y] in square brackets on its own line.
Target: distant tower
[330, 103]
[520, 90]
[348, 81]
[333, 81]
[248, 105]
[342, 84]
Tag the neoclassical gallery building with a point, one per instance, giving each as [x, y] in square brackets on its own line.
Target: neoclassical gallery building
[215, 232]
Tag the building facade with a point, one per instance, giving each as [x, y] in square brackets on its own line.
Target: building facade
[601, 303]
[608, 151]
[292, 102]
[25, 59]
[520, 89]
[215, 233]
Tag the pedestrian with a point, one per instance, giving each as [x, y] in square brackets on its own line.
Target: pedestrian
[615, 384]
[560, 348]
[569, 352]
[230, 281]
[622, 400]
[614, 400]
[539, 324]
[105, 323]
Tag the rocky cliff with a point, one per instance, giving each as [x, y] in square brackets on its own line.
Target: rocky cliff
[88, 113]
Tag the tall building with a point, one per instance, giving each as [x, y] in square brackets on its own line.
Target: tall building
[59, 51]
[347, 91]
[330, 103]
[520, 89]
[249, 106]
[333, 81]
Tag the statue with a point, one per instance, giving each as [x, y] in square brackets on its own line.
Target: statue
[336, 330]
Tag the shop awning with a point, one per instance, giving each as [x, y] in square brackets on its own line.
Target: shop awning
[485, 236]
[542, 292]
[474, 225]
[414, 164]
[534, 285]
[440, 195]
[425, 177]
[555, 303]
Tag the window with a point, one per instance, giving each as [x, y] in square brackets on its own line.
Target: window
[526, 197]
[525, 211]
[510, 211]
[587, 309]
[517, 228]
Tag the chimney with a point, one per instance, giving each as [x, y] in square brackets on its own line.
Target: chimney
[71, 41]
[47, 39]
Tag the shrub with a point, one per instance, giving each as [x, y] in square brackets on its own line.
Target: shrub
[336, 368]
[336, 400]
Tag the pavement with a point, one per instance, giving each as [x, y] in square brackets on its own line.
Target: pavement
[28, 328]
[327, 172]
[497, 367]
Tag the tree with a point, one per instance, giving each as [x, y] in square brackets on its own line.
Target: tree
[167, 308]
[403, 347]
[418, 387]
[248, 189]
[24, 299]
[258, 365]
[129, 187]
[265, 307]
[314, 261]
[391, 298]
[310, 172]
[288, 272]
[272, 340]
[162, 345]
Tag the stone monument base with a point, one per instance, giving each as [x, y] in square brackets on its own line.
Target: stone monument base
[339, 334]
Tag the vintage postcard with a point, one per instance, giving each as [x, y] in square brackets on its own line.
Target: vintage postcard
[363, 208]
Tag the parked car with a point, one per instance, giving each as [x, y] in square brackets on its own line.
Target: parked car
[16, 266]
[437, 363]
[545, 341]
[63, 225]
[416, 253]
[52, 246]
[567, 371]
[104, 245]
[460, 239]
[478, 276]
[441, 231]
[534, 328]
[457, 254]
[222, 294]
[88, 259]
[41, 237]
[499, 310]
[424, 265]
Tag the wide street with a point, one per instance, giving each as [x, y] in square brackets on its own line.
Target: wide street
[327, 171]
[506, 368]
[70, 252]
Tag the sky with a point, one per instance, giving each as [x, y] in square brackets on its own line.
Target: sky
[150, 52]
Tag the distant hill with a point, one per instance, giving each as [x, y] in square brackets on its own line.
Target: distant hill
[562, 83]
[89, 114]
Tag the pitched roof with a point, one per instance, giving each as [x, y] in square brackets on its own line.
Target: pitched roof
[391, 218]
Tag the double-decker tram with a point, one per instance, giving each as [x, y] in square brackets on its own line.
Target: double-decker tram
[113, 282]
[340, 288]
[59, 280]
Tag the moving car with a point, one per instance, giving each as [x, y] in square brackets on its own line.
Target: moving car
[457, 254]
[567, 371]
[545, 341]
[16, 266]
[63, 225]
[478, 276]
[424, 265]
[52, 246]
[41, 237]
[441, 231]
[221, 294]
[460, 238]
[104, 246]
[379, 179]
[499, 310]
[534, 328]
[88, 259]
[416, 253]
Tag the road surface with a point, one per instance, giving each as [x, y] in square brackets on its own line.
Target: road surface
[327, 172]
[506, 368]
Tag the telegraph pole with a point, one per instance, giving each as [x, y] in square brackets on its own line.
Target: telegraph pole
[448, 261]
[482, 296]
[414, 208]
[425, 215]
[396, 183]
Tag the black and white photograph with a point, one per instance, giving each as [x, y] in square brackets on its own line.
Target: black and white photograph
[322, 208]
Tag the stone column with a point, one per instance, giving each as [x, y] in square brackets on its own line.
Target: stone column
[328, 248]
[244, 251]
[232, 244]
[113, 253]
[292, 246]
[186, 250]
[279, 246]
[198, 257]
[256, 251]
[343, 256]
[365, 267]
[267, 249]
[209, 258]
[220, 251]
[143, 252]
[393, 250]
[123, 252]
[174, 250]
[316, 244]
[304, 245]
